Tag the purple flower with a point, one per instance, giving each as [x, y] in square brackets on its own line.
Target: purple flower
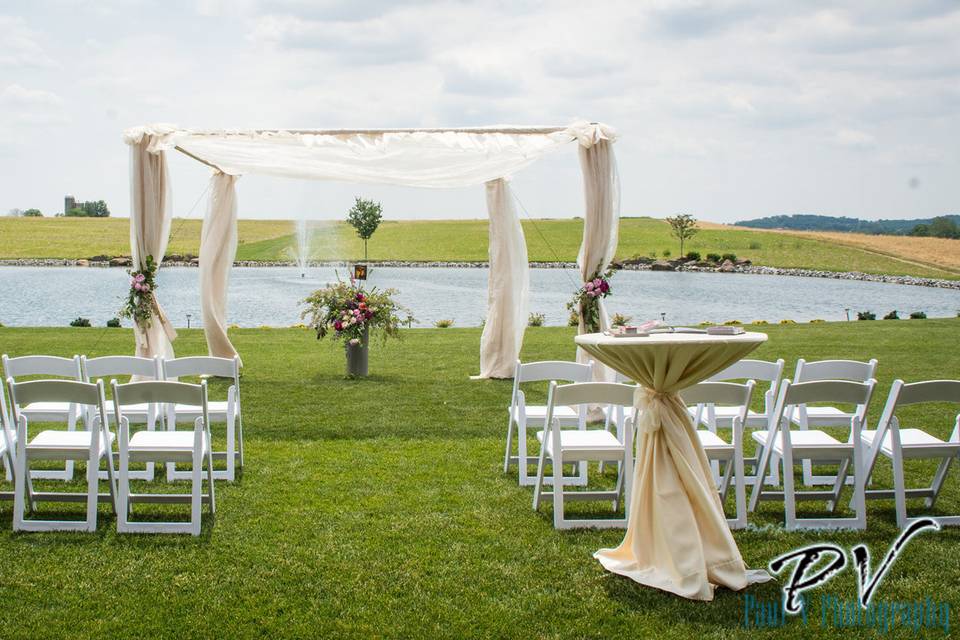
[337, 325]
[604, 286]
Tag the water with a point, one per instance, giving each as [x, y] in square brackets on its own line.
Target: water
[52, 296]
[303, 247]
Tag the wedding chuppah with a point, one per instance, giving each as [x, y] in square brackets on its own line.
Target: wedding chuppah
[432, 158]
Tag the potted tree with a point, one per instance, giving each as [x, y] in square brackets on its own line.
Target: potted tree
[352, 314]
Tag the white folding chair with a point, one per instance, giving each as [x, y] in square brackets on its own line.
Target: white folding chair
[724, 395]
[806, 417]
[522, 414]
[68, 368]
[228, 411]
[7, 442]
[91, 446]
[714, 417]
[164, 446]
[145, 369]
[559, 447]
[901, 444]
[816, 445]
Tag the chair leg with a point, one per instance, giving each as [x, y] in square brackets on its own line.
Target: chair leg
[938, 479]
[789, 498]
[196, 492]
[20, 486]
[739, 487]
[899, 489]
[231, 444]
[558, 522]
[506, 452]
[93, 489]
[838, 485]
[522, 471]
[123, 488]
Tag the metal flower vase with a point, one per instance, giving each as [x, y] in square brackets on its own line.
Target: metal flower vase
[357, 356]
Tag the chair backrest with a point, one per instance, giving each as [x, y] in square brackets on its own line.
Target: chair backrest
[759, 370]
[160, 391]
[928, 391]
[553, 370]
[843, 391]
[731, 394]
[120, 366]
[202, 366]
[835, 370]
[42, 366]
[72, 391]
[604, 393]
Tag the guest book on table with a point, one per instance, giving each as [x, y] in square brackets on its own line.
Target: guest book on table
[656, 327]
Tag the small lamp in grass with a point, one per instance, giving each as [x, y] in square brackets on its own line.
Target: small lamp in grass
[188, 320]
[359, 272]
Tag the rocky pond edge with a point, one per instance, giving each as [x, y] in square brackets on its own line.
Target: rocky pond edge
[641, 264]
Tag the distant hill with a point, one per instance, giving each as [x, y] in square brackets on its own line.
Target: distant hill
[812, 222]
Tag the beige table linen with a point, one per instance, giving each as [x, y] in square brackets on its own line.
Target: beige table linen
[677, 536]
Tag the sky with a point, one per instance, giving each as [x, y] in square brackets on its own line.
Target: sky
[726, 110]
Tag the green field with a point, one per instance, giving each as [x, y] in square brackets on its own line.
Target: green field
[379, 508]
[449, 240]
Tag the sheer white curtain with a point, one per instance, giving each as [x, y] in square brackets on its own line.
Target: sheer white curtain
[508, 286]
[218, 247]
[601, 188]
[149, 232]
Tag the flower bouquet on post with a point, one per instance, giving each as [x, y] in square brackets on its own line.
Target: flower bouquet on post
[586, 301]
[140, 304]
[352, 315]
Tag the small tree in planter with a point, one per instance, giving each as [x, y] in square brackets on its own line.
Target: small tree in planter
[365, 216]
[351, 313]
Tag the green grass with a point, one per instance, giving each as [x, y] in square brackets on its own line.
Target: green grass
[379, 507]
[449, 240]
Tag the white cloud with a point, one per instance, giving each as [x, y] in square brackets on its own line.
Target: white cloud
[16, 95]
[20, 46]
[855, 139]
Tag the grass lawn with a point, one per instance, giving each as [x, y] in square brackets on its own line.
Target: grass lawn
[379, 508]
[466, 240]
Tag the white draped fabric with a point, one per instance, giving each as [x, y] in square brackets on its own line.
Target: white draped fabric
[508, 286]
[435, 158]
[218, 247]
[149, 232]
[601, 190]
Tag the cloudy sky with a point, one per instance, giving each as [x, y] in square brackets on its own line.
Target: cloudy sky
[727, 110]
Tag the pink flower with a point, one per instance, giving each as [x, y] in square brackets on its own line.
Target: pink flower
[592, 294]
[355, 341]
[597, 282]
[588, 286]
[137, 286]
[144, 287]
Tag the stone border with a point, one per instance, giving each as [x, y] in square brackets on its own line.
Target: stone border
[743, 268]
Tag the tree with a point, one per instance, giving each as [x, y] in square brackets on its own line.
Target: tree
[944, 227]
[15, 213]
[76, 212]
[921, 230]
[365, 216]
[683, 227]
[97, 209]
[32, 213]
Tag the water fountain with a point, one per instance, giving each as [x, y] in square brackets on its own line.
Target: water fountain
[303, 246]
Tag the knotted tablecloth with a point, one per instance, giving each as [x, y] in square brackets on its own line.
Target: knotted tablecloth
[677, 535]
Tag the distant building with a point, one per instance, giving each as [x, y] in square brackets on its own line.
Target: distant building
[69, 202]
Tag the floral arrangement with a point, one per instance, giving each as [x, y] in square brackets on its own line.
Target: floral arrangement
[350, 312]
[140, 302]
[586, 301]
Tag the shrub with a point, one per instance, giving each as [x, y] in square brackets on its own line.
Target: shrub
[443, 324]
[706, 323]
[754, 245]
[762, 322]
[666, 253]
[866, 315]
[713, 257]
[693, 255]
[918, 315]
[817, 321]
[80, 322]
[619, 320]
[113, 323]
[733, 322]
[574, 319]
[535, 320]
[788, 321]
[732, 257]
[892, 315]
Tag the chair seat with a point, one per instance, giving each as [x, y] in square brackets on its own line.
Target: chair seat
[592, 444]
[536, 412]
[823, 417]
[810, 440]
[915, 441]
[725, 415]
[48, 408]
[712, 443]
[170, 446]
[214, 408]
[61, 445]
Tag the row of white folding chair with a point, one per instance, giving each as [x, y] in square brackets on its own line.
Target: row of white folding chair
[96, 443]
[579, 446]
[522, 415]
[87, 369]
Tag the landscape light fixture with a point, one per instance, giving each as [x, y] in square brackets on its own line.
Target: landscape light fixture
[188, 321]
[359, 272]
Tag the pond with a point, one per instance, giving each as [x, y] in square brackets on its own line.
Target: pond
[52, 296]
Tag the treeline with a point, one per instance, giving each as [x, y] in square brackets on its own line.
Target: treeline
[940, 227]
[92, 209]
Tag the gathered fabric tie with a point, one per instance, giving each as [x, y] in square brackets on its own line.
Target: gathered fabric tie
[650, 405]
